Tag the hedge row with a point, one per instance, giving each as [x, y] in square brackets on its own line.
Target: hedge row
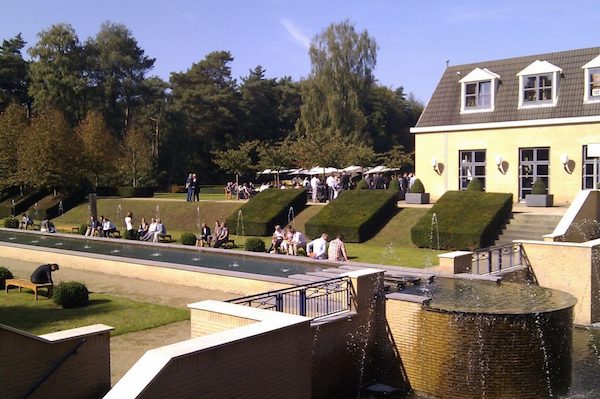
[267, 209]
[22, 203]
[466, 220]
[127, 191]
[356, 214]
[52, 208]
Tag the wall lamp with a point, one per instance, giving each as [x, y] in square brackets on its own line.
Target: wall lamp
[436, 166]
[564, 159]
[501, 164]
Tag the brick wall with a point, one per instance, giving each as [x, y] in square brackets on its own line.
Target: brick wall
[457, 355]
[26, 358]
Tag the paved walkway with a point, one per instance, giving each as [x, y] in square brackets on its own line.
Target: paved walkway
[128, 348]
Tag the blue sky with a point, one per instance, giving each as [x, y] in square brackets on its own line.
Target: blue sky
[415, 38]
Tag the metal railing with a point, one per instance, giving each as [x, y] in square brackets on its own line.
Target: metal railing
[312, 300]
[495, 259]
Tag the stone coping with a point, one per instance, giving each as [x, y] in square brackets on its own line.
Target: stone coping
[423, 300]
[481, 277]
[586, 244]
[64, 335]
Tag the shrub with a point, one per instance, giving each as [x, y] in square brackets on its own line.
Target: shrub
[362, 185]
[188, 238]
[71, 294]
[82, 228]
[4, 274]
[477, 227]
[475, 185]
[11, 223]
[356, 214]
[143, 192]
[417, 187]
[255, 244]
[539, 188]
[267, 209]
[394, 185]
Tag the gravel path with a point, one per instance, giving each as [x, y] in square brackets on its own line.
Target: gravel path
[126, 349]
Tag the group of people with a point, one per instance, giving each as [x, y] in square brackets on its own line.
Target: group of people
[46, 226]
[288, 242]
[104, 227]
[330, 189]
[193, 188]
[216, 238]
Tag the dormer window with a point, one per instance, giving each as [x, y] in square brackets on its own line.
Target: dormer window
[592, 81]
[478, 91]
[538, 85]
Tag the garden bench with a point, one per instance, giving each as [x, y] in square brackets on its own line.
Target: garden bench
[165, 237]
[75, 230]
[15, 282]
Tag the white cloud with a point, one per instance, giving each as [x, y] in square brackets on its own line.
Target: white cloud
[295, 34]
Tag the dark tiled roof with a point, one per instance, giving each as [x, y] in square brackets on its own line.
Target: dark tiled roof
[444, 107]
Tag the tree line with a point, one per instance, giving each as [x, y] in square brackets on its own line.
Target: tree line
[90, 112]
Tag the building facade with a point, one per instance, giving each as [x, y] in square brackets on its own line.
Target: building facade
[511, 122]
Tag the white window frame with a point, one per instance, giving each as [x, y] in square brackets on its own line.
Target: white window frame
[587, 70]
[477, 77]
[538, 69]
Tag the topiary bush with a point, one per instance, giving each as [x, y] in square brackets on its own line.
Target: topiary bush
[362, 185]
[138, 192]
[475, 185]
[11, 223]
[71, 294]
[466, 220]
[4, 274]
[254, 244]
[539, 188]
[394, 185]
[265, 210]
[355, 214]
[417, 187]
[188, 238]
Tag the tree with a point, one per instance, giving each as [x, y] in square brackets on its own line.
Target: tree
[13, 122]
[117, 67]
[321, 150]
[206, 97]
[396, 157]
[276, 156]
[50, 153]
[237, 161]
[341, 76]
[260, 104]
[57, 73]
[137, 164]
[13, 73]
[98, 146]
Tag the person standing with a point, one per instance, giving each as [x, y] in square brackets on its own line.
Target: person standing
[188, 184]
[43, 274]
[196, 186]
[314, 187]
[129, 225]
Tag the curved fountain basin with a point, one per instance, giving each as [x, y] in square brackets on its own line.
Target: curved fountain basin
[468, 296]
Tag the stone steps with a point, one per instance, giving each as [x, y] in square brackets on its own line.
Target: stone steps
[526, 226]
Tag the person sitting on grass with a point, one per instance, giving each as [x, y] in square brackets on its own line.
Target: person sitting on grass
[26, 222]
[317, 248]
[286, 244]
[337, 249]
[43, 274]
[298, 241]
[223, 236]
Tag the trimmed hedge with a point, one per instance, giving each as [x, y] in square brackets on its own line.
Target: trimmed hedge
[267, 209]
[71, 294]
[22, 203]
[539, 188]
[467, 220]
[417, 187]
[11, 223]
[138, 192]
[51, 209]
[356, 214]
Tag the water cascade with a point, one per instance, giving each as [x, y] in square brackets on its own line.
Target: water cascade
[240, 224]
[291, 216]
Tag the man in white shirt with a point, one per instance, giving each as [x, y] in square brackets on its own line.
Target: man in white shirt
[317, 249]
[330, 181]
[314, 187]
[298, 241]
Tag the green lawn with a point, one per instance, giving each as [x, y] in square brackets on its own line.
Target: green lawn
[43, 316]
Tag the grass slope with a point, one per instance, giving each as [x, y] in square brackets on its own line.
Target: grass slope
[44, 316]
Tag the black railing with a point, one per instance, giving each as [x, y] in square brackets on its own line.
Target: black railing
[313, 300]
[496, 259]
